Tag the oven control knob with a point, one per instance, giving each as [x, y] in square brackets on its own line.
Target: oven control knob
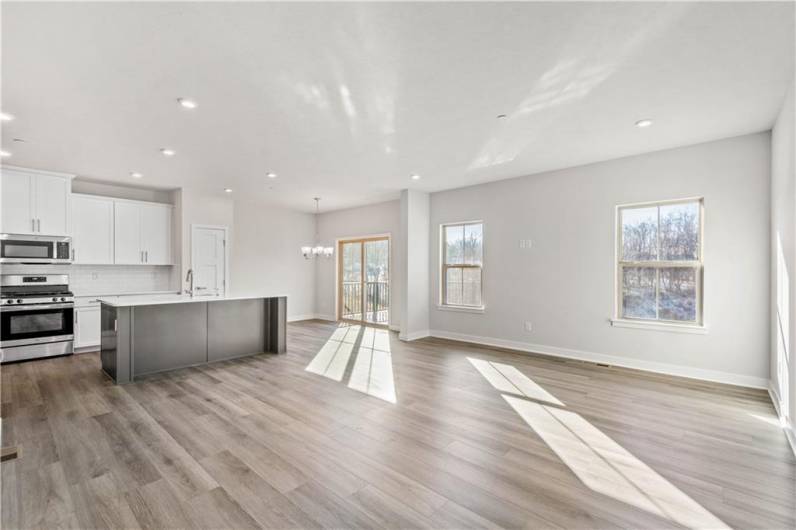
[63, 299]
[19, 300]
[9, 301]
[55, 299]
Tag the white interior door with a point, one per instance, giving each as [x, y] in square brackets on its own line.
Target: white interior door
[208, 260]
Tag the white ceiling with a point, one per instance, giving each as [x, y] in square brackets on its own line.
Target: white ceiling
[346, 101]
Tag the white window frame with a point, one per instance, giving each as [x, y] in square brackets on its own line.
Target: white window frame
[694, 326]
[444, 266]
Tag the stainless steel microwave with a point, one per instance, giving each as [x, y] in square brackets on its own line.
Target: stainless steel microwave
[35, 249]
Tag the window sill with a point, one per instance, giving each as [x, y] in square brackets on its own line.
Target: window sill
[660, 326]
[460, 309]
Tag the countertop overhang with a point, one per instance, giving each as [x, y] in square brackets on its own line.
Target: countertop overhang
[133, 301]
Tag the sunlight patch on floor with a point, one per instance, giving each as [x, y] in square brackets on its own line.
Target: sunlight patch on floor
[367, 349]
[332, 359]
[606, 467]
[372, 373]
[506, 378]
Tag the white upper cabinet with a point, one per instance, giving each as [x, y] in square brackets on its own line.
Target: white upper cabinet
[17, 203]
[142, 233]
[127, 232]
[35, 202]
[92, 229]
[51, 199]
[156, 234]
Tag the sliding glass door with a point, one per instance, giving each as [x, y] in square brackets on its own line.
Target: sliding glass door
[364, 280]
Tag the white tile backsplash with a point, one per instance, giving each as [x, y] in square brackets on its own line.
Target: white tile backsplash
[118, 279]
[104, 279]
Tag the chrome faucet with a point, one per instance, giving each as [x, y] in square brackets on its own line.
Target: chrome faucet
[189, 278]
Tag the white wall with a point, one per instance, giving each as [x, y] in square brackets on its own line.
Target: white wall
[415, 228]
[266, 256]
[104, 189]
[783, 258]
[564, 285]
[374, 219]
[199, 208]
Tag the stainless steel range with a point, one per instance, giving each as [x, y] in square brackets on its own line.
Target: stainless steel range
[36, 316]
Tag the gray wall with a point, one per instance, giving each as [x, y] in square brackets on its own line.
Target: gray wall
[564, 285]
[374, 219]
[783, 257]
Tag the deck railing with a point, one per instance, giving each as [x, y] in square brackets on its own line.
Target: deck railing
[377, 301]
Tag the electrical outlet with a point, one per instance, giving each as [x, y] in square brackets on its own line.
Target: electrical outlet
[94, 275]
[525, 243]
[528, 326]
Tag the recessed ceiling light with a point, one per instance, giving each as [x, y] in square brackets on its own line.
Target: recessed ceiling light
[271, 175]
[228, 190]
[501, 116]
[415, 177]
[136, 174]
[168, 152]
[4, 116]
[646, 122]
[4, 154]
[187, 103]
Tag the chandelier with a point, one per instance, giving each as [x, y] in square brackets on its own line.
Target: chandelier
[318, 249]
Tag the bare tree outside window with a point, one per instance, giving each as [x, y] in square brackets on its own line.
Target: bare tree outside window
[462, 261]
[660, 261]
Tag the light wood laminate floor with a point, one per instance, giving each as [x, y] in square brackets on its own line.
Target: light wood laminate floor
[354, 429]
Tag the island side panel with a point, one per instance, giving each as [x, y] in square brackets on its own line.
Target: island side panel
[235, 328]
[115, 342]
[168, 336]
[276, 324]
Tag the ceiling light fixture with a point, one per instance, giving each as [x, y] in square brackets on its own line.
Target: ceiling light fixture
[646, 122]
[227, 190]
[136, 174]
[415, 177]
[271, 175]
[187, 103]
[168, 152]
[317, 250]
[4, 154]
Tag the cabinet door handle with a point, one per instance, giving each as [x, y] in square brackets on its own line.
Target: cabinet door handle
[38, 225]
[33, 225]
[73, 254]
[146, 253]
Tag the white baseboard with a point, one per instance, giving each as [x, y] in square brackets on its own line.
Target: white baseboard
[395, 327]
[789, 429]
[309, 316]
[297, 318]
[415, 335]
[649, 366]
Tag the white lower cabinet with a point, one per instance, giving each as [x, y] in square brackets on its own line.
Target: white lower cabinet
[87, 326]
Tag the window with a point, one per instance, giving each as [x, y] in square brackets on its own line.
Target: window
[659, 272]
[462, 262]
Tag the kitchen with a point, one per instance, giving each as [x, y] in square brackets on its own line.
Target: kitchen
[68, 247]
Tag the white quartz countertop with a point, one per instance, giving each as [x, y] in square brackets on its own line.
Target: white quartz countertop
[132, 301]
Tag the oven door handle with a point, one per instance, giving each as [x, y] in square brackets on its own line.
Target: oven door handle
[36, 307]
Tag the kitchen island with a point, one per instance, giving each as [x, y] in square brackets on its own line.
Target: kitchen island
[143, 335]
